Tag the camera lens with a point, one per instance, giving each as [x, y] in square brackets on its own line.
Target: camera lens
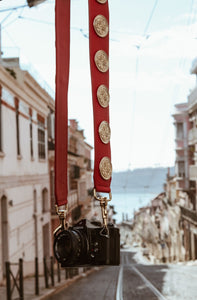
[65, 245]
[69, 246]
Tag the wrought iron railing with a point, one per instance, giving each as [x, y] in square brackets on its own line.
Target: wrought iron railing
[189, 214]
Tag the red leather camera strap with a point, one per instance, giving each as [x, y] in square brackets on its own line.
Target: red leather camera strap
[99, 66]
[62, 33]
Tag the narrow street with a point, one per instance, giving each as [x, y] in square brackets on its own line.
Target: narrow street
[132, 280]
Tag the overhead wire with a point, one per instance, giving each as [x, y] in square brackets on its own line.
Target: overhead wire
[147, 25]
[24, 5]
[138, 47]
[36, 20]
[8, 15]
[13, 8]
[150, 17]
[132, 124]
[190, 20]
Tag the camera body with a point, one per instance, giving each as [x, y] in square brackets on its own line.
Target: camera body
[84, 244]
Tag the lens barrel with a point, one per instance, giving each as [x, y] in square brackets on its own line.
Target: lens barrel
[69, 247]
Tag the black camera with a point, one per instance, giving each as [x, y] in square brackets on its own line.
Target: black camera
[87, 243]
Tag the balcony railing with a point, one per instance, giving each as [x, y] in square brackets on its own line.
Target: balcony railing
[194, 66]
[72, 200]
[193, 172]
[192, 135]
[179, 144]
[192, 98]
[189, 214]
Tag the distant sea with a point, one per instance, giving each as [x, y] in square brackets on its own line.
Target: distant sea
[127, 202]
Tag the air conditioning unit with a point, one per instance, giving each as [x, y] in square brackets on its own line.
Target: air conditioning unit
[32, 3]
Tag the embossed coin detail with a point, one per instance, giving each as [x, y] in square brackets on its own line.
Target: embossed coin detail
[103, 95]
[104, 132]
[101, 1]
[105, 168]
[101, 61]
[101, 26]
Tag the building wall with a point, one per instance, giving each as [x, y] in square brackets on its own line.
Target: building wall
[11, 164]
[24, 180]
[181, 144]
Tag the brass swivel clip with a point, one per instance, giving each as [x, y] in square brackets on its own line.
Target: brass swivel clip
[62, 218]
[103, 204]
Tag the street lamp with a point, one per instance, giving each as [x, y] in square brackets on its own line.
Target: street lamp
[32, 3]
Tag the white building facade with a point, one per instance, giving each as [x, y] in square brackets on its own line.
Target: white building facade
[24, 178]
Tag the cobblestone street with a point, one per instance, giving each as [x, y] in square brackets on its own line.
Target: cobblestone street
[133, 280]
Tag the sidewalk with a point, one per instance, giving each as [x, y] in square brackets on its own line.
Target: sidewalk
[29, 286]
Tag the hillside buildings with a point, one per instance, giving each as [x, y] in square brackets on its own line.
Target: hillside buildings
[27, 216]
[189, 210]
[168, 225]
[185, 118]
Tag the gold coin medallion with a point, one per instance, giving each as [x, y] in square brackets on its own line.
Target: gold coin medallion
[101, 26]
[101, 1]
[101, 61]
[103, 96]
[104, 132]
[105, 168]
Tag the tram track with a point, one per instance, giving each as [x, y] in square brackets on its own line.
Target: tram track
[131, 281]
[149, 284]
[132, 266]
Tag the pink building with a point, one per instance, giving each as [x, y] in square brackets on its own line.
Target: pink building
[186, 176]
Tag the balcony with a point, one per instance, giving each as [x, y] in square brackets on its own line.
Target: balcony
[193, 172]
[194, 67]
[192, 98]
[72, 200]
[179, 144]
[88, 164]
[189, 215]
[192, 137]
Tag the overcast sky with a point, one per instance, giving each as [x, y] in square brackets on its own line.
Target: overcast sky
[152, 46]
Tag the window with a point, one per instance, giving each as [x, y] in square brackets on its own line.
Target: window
[192, 189]
[52, 187]
[31, 138]
[31, 133]
[17, 127]
[51, 125]
[179, 133]
[35, 201]
[41, 138]
[51, 130]
[0, 120]
[73, 145]
[45, 206]
[181, 169]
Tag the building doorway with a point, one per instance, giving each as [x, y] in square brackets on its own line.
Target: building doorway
[195, 245]
[4, 232]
